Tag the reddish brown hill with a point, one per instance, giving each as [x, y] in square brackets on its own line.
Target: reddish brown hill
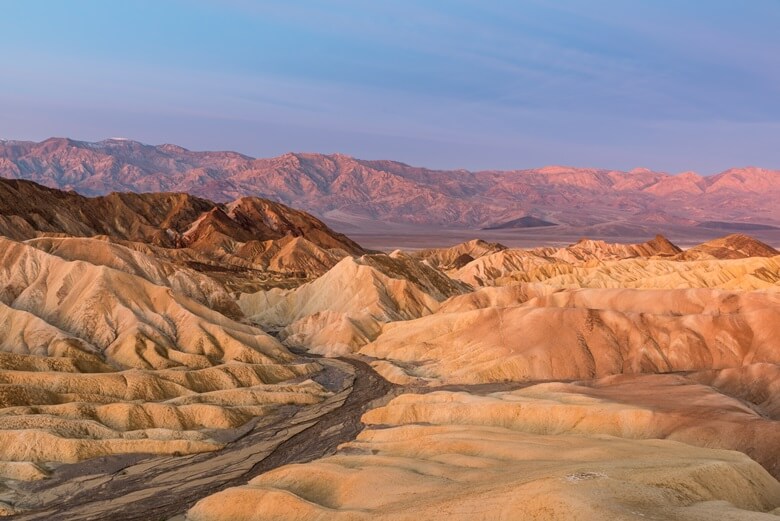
[28, 210]
[735, 246]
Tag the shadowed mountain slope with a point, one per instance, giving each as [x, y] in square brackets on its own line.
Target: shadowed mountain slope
[250, 237]
[166, 219]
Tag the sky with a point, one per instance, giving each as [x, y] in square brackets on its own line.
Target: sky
[670, 85]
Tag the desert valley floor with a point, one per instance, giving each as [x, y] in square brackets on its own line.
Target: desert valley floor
[165, 357]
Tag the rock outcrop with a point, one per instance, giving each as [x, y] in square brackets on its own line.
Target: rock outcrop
[548, 452]
[585, 334]
[344, 309]
[96, 359]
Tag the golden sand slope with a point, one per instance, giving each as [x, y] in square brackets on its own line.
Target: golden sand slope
[101, 252]
[97, 361]
[132, 322]
[547, 452]
[482, 264]
[294, 255]
[672, 407]
[655, 264]
[585, 334]
[745, 274]
[342, 310]
[458, 255]
[486, 270]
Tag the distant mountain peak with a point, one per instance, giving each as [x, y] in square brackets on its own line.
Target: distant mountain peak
[176, 149]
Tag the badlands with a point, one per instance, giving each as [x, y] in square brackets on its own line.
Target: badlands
[166, 357]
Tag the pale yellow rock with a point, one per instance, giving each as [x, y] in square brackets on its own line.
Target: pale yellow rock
[451, 258]
[596, 264]
[394, 374]
[496, 297]
[586, 334]
[494, 267]
[35, 445]
[627, 406]
[343, 309]
[101, 252]
[486, 270]
[755, 273]
[451, 456]
[133, 322]
[96, 359]
[21, 471]
[290, 255]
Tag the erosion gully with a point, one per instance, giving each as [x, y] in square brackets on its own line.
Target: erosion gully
[152, 488]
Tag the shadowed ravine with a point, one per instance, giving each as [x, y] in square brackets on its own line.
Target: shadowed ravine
[161, 488]
[152, 488]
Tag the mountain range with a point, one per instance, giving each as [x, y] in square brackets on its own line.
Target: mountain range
[358, 195]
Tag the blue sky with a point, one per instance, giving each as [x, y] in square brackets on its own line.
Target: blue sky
[669, 85]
